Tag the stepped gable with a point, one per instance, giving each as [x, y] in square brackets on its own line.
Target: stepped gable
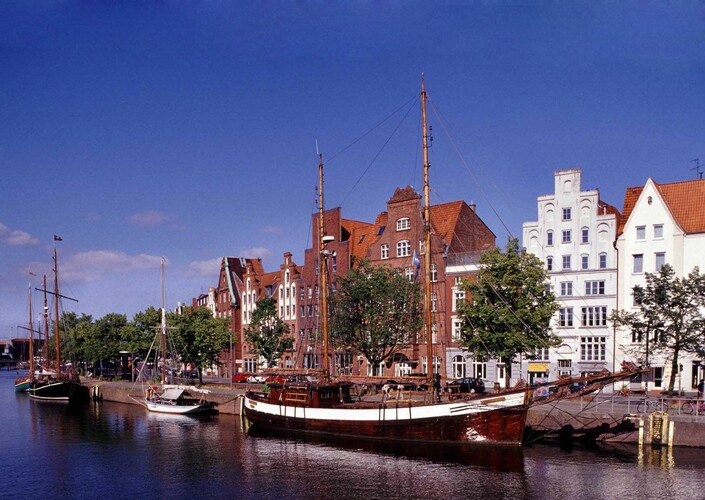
[404, 194]
[685, 200]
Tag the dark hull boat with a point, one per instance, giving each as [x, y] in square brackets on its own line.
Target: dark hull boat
[496, 419]
[60, 391]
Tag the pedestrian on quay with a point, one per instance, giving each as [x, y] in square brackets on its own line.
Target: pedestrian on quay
[701, 388]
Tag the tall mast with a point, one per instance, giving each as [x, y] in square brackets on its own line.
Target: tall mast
[427, 236]
[322, 256]
[31, 336]
[163, 327]
[56, 314]
[46, 324]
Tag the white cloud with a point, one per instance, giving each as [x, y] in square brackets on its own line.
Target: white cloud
[209, 267]
[148, 218]
[16, 238]
[256, 253]
[89, 266]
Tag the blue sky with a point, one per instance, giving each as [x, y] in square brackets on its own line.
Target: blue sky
[188, 129]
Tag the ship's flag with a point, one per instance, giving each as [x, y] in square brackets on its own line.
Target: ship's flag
[415, 261]
[58, 238]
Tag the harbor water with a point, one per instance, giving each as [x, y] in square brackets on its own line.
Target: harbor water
[111, 450]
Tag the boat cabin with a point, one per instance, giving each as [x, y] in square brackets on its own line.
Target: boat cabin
[309, 394]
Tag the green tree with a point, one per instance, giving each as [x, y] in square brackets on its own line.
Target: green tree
[199, 337]
[508, 308]
[376, 311]
[669, 320]
[267, 334]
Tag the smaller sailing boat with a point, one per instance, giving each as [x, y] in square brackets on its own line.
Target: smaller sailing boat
[56, 386]
[171, 398]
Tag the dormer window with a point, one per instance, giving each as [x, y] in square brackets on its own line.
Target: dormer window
[403, 224]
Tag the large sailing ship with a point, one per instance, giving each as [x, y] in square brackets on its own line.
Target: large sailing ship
[325, 406]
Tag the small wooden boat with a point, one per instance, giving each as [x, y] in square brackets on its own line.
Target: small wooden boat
[178, 400]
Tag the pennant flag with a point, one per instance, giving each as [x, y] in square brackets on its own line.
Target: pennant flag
[58, 238]
[415, 260]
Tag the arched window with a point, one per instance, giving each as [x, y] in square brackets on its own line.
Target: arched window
[403, 224]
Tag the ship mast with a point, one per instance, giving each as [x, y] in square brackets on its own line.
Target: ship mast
[56, 314]
[31, 336]
[46, 324]
[427, 237]
[163, 326]
[322, 258]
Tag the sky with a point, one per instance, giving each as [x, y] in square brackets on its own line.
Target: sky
[190, 130]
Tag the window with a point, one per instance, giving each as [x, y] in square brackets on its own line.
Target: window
[310, 292]
[592, 348]
[458, 296]
[549, 238]
[585, 235]
[434, 273]
[566, 288]
[458, 367]
[641, 232]
[603, 261]
[384, 251]
[566, 235]
[403, 224]
[638, 263]
[479, 369]
[566, 262]
[549, 263]
[660, 261]
[594, 316]
[541, 354]
[403, 248]
[566, 214]
[565, 316]
[584, 261]
[594, 287]
[658, 231]
[455, 335]
[409, 273]
[434, 301]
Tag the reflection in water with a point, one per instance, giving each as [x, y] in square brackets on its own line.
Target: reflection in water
[113, 450]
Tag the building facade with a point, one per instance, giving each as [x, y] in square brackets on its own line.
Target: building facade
[661, 224]
[574, 237]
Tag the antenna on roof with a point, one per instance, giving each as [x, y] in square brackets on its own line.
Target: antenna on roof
[697, 168]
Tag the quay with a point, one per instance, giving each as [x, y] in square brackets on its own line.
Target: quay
[591, 418]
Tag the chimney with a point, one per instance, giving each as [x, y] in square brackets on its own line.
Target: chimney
[472, 206]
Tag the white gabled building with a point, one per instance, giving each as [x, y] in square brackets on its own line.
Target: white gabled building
[661, 224]
[574, 236]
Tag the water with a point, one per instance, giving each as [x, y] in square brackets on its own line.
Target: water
[112, 450]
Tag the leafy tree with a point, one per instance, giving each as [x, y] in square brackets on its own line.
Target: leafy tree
[139, 333]
[76, 339]
[376, 311]
[670, 318]
[508, 308]
[199, 337]
[268, 335]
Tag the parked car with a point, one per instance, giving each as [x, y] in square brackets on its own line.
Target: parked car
[241, 378]
[273, 377]
[256, 378]
[467, 384]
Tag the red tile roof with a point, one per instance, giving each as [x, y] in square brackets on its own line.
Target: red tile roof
[685, 200]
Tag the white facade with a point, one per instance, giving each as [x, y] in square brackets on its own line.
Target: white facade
[652, 236]
[574, 236]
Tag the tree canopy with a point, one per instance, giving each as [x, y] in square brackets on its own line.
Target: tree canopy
[267, 334]
[669, 320]
[508, 308]
[376, 311]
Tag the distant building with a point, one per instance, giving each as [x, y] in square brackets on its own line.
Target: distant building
[574, 237]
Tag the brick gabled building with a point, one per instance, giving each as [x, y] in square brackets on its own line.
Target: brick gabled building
[458, 238]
